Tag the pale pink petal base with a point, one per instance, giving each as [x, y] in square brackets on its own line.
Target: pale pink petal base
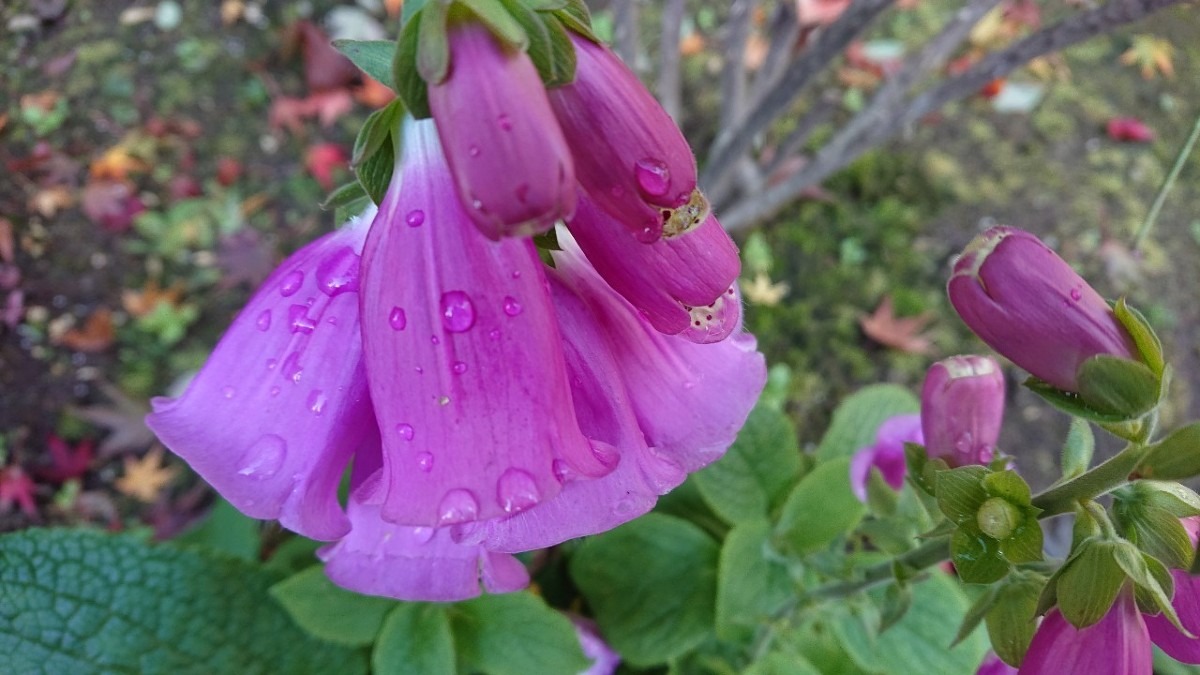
[1187, 605]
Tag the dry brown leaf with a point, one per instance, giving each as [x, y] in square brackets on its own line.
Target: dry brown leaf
[902, 333]
[762, 291]
[145, 478]
[116, 164]
[49, 201]
[231, 11]
[8, 249]
[123, 418]
[96, 335]
[142, 302]
[756, 52]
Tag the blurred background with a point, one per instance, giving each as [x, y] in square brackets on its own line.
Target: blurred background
[159, 158]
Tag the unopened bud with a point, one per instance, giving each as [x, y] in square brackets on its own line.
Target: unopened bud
[997, 518]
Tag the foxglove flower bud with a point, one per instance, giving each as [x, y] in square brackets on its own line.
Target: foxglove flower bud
[629, 155]
[510, 162]
[1029, 305]
[887, 454]
[962, 404]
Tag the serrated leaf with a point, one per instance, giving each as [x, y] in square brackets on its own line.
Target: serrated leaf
[821, 508]
[960, 493]
[75, 601]
[1089, 583]
[330, 612]
[755, 474]
[667, 607]
[415, 640]
[373, 57]
[1078, 449]
[515, 634]
[977, 557]
[857, 419]
[1176, 457]
[751, 583]
[1118, 386]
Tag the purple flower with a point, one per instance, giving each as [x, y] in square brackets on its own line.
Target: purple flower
[1029, 305]
[962, 405]
[629, 155]
[1117, 644]
[992, 665]
[604, 659]
[887, 454]
[507, 153]
[489, 404]
[683, 283]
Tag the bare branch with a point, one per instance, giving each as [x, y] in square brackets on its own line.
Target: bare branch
[669, 92]
[784, 30]
[846, 147]
[733, 75]
[626, 39]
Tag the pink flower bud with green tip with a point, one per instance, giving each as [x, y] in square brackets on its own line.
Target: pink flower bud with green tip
[887, 454]
[1028, 304]
[511, 164]
[962, 405]
[629, 154]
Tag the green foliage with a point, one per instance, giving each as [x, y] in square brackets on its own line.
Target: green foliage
[820, 509]
[225, 529]
[373, 57]
[514, 634]
[752, 581]
[330, 612]
[857, 419]
[756, 473]
[79, 601]
[415, 640]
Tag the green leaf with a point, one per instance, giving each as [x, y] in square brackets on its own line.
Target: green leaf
[1088, 584]
[857, 419]
[415, 640]
[515, 634]
[345, 195]
[1118, 386]
[433, 50]
[330, 612]
[1078, 449]
[821, 508]
[376, 131]
[410, 9]
[1012, 620]
[408, 83]
[1176, 457]
[493, 14]
[977, 556]
[777, 663]
[375, 174]
[1025, 543]
[225, 529]
[74, 601]
[1144, 337]
[575, 17]
[756, 473]
[1071, 403]
[1156, 532]
[663, 608]
[751, 583]
[897, 600]
[960, 493]
[373, 57]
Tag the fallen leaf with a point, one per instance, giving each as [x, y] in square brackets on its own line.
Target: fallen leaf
[96, 335]
[820, 12]
[144, 301]
[116, 164]
[761, 291]
[145, 478]
[16, 488]
[1129, 130]
[59, 64]
[393, 7]
[325, 68]
[327, 107]
[14, 308]
[123, 418]
[756, 52]
[7, 245]
[111, 204]
[229, 170]
[244, 259]
[135, 15]
[1023, 13]
[1152, 55]
[49, 201]
[902, 333]
[66, 462]
[323, 159]
[373, 93]
[232, 11]
[691, 44]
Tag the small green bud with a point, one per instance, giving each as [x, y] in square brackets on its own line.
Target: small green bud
[997, 518]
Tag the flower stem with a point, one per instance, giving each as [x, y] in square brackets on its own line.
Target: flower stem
[1103, 479]
[928, 554]
[1168, 183]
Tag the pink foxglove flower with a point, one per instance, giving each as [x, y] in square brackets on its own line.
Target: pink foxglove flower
[992, 665]
[962, 405]
[629, 155]
[887, 454]
[1117, 644]
[604, 659]
[509, 159]
[1029, 305]
[489, 404]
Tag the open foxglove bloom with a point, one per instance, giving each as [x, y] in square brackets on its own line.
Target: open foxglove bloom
[1118, 644]
[488, 404]
[887, 454]
[962, 405]
[508, 156]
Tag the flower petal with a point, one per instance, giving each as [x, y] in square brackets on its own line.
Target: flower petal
[1187, 605]
[463, 356]
[271, 419]
[1117, 645]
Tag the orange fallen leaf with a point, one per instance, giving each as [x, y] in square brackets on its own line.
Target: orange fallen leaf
[146, 478]
[1151, 55]
[116, 164]
[393, 7]
[43, 101]
[142, 302]
[373, 93]
[96, 334]
[756, 52]
[902, 333]
[8, 250]
[762, 291]
[49, 201]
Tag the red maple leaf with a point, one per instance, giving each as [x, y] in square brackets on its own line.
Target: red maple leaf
[66, 462]
[17, 488]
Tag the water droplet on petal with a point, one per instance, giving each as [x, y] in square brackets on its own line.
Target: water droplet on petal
[517, 491]
[264, 458]
[473, 151]
[1076, 294]
[299, 321]
[458, 506]
[423, 534]
[228, 392]
[459, 367]
[415, 218]
[405, 430]
[291, 283]
[264, 320]
[292, 368]
[435, 340]
[443, 400]
[425, 461]
[963, 445]
[494, 334]
[504, 122]
[275, 391]
[316, 401]
[562, 471]
[396, 319]
[338, 273]
[511, 306]
[516, 274]
[653, 176]
[458, 312]
[271, 363]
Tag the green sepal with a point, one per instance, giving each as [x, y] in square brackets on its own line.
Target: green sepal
[345, 195]
[576, 17]
[373, 57]
[1158, 533]
[1025, 543]
[494, 15]
[550, 48]
[977, 612]
[375, 173]
[411, 7]
[1011, 621]
[896, 601]
[1144, 338]
[977, 557]
[960, 493]
[1119, 386]
[1088, 584]
[1176, 457]
[407, 80]
[1153, 584]
[433, 48]
[545, 5]
[1009, 486]
[922, 471]
[1071, 403]
[1078, 449]
[376, 131]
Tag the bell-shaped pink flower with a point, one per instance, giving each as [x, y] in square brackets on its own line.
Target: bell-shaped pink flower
[272, 418]
[962, 405]
[992, 665]
[887, 454]
[464, 358]
[1118, 644]
[629, 155]
[509, 158]
[1186, 602]
[1029, 305]
[604, 660]
[683, 284]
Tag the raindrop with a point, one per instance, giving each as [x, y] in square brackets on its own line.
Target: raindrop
[264, 320]
[443, 400]
[494, 334]
[339, 272]
[562, 471]
[415, 218]
[291, 283]
[459, 367]
[504, 122]
[271, 363]
[264, 458]
[964, 443]
[299, 321]
[316, 401]
[517, 491]
[516, 274]
[292, 368]
[458, 506]
[458, 312]
[653, 177]
[405, 430]
[228, 392]
[425, 461]
[275, 391]
[1076, 294]
[396, 319]
[423, 534]
[435, 340]
[473, 151]
[512, 307]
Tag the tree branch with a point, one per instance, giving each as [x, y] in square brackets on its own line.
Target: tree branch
[626, 39]
[669, 91]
